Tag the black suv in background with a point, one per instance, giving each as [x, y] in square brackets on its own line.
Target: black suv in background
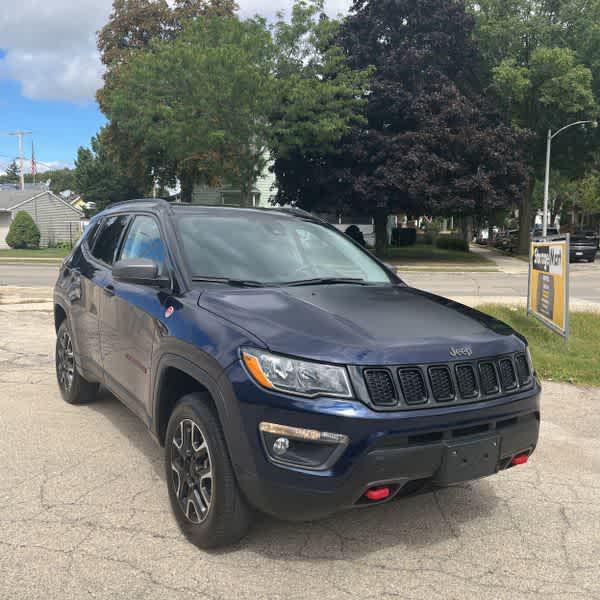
[583, 246]
[282, 367]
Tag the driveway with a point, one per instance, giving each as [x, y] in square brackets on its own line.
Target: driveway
[84, 512]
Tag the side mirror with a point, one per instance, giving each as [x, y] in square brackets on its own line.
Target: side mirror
[142, 271]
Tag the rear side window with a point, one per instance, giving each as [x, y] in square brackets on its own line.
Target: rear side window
[143, 241]
[107, 240]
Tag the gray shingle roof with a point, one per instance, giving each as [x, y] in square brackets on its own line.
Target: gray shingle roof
[8, 198]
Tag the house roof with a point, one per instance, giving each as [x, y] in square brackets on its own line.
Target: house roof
[10, 199]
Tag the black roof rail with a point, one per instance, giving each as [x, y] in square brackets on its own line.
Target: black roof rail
[155, 201]
[299, 212]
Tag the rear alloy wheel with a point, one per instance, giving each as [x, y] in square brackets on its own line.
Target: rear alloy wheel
[73, 387]
[204, 493]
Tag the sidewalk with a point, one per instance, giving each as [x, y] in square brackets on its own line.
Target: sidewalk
[504, 263]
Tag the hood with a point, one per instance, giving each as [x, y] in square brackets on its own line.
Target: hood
[361, 325]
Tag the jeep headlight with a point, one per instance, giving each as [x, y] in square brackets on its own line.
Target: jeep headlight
[290, 375]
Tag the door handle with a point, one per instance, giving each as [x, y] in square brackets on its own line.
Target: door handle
[109, 290]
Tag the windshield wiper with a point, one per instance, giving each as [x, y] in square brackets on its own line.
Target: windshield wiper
[229, 281]
[328, 281]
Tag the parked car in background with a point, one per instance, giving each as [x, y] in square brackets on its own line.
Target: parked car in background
[507, 240]
[282, 366]
[538, 231]
[583, 246]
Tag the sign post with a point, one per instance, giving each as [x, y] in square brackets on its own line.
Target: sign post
[548, 283]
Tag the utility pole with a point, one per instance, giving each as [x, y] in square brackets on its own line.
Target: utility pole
[19, 134]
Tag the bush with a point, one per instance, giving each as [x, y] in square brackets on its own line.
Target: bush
[404, 236]
[356, 234]
[23, 232]
[451, 242]
[429, 237]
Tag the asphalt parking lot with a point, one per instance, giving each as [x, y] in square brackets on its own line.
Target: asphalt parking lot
[84, 512]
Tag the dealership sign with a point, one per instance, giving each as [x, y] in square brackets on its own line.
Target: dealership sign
[548, 295]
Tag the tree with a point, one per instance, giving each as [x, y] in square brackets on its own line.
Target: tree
[99, 178]
[23, 232]
[12, 173]
[197, 106]
[132, 27]
[59, 179]
[430, 145]
[542, 65]
[209, 105]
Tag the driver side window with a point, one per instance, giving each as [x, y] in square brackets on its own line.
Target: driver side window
[143, 241]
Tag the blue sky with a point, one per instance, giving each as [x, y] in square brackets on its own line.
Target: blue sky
[50, 71]
[59, 127]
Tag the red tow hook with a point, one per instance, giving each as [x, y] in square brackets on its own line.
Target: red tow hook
[520, 459]
[377, 493]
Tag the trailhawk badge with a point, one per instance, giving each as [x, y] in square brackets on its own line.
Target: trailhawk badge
[463, 351]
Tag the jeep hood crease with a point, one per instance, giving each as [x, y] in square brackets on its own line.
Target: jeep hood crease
[362, 325]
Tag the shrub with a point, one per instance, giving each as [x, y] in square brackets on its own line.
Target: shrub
[429, 237]
[404, 236]
[452, 242]
[356, 234]
[23, 232]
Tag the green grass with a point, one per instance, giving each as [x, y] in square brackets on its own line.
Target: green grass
[424, 253]
[35, 253]
[576, 361]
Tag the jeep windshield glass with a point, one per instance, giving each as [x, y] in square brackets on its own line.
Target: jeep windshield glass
[270, 248]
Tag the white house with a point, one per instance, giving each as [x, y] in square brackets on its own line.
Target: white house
[263, 191]
[57, 220]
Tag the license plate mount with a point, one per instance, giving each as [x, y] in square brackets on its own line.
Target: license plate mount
[464, 461]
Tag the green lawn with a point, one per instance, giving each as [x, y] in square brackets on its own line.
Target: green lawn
[577, 361]
[33, 253]
[424, 253]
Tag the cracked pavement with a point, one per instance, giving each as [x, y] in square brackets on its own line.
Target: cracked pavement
[84, 511]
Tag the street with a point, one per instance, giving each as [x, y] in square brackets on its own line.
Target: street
[84, 510]
[585, 280]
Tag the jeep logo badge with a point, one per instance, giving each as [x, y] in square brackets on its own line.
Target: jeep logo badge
[463, 351]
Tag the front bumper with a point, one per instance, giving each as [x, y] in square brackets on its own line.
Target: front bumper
[394, 448]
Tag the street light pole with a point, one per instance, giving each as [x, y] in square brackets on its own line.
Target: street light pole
[550, 137]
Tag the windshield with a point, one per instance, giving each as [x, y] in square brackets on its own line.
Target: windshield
[270, 248]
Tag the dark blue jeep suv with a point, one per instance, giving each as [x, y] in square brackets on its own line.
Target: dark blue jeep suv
[282, 366]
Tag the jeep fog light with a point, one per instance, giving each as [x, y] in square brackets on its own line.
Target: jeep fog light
[306, 448]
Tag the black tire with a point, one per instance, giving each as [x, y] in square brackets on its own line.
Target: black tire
[73, 387]
[209, 513]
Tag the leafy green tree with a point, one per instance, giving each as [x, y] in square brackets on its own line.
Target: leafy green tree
[542, 65]
[60, 179]
[99, 178]
[133, 26]
[23, 232]
[197, 106]
[11, 175]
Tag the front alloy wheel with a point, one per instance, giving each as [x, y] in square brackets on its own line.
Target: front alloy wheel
[191, 471]
[203, 490]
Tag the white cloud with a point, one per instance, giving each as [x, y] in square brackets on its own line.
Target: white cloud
[50, 45]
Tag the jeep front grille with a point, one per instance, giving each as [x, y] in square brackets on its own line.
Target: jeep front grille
[381, 387]
[441, 384]
[467, 382]
[393, 388]
[413, 386]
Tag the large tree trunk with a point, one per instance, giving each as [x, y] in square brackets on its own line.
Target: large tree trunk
[525, 217]
[381, 217]
[187, 187]
[466, 229]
